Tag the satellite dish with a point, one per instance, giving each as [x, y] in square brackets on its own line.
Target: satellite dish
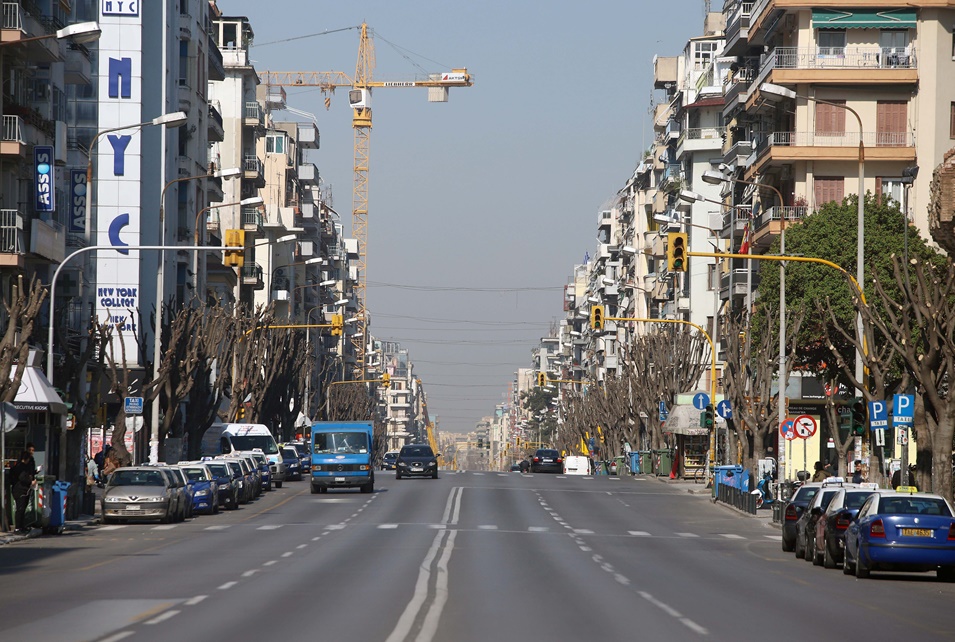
[10, 416]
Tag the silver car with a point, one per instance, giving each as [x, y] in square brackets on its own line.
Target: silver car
[139, 492]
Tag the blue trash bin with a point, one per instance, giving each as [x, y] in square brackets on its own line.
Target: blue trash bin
[634, 462]
[58, 507]
[730, 475]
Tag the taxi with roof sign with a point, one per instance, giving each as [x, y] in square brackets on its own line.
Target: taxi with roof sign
[830, 537]
[902, 530]
[806, 522]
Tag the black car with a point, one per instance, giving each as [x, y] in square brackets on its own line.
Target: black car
[293, 463]
[806, 524]
[547, 460]
[416, 460]
[388, 461]
[830, 540]
[794, 509]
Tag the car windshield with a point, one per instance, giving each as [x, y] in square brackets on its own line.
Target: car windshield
[547, 453]
[235, 467]
[805, 494]
[302, 449]
[855, 500]
[265, 443]
[290, 454]
[417, 451]
[391, 456]
[196, 474]
[218, 469]
[914, 505]
[827, 498]
[341, 442]
[136, 478]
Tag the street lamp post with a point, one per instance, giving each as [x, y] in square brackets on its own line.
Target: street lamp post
[254, 200]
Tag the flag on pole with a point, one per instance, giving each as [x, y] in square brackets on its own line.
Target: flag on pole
[744, 246]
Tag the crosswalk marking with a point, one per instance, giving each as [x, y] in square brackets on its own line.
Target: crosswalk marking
[639, 533]
[488, 527]
[538, 529]
[387, 526]
[164, 527]
[113, 527]
[269, 527]
[774, 537]
[686, 534]
[218, 527]
[583, 531]
[731, 536]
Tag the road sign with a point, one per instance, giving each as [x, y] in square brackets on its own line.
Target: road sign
[664, 413]
[878, 415]
[786, 430]
[701, 400]
[724, 409]
[903, 410]
[133, 405]
[805, 426]
[879, 436]
[10, 416]
[902, 437]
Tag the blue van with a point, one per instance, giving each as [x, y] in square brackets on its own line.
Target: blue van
[342, 456]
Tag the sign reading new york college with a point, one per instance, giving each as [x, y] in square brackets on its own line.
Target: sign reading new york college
[118, 171]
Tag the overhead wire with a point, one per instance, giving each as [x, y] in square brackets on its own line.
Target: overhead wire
[309, 35]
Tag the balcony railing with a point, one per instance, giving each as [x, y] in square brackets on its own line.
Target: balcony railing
[11, 232]
[851, 139]
[12, 18]
[842, 58]
[13, 129]
[251, 163]
[251, 217]
[252, 272]
[777, 213]
[253, 111]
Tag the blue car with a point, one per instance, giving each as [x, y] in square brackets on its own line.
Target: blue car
[226, 482]
[902, 531]
[205, 490]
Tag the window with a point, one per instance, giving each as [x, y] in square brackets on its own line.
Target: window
[893, 188]
[710, 277]
[891, 123]
[894, 40]
[703, 53]
[831, 42]
[828, 188]
[275, 144]
[183, 63]
[831, 119]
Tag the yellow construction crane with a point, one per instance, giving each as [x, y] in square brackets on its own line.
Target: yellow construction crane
[359, 97]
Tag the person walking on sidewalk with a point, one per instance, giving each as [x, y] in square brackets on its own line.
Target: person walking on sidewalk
[22, 481]
[821, 474]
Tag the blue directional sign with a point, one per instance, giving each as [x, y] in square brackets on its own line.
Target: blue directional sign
[133, 405]
[724, 409]
[903, 410]
[878, 415]
[664, 413]
[701, 400]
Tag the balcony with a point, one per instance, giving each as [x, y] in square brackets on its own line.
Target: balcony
[738, 279]
[216, 131]
[787, 147]
[738, 153]
[737, 27]
[839, 65]
[48, 240]
[216, 62]
[280, 288]
[78, 69]
[672, 131]
[252, 276]
[253, 170]
[308, 136]
[252, 219]
[769, 223]
[308, 173]
[12, 239]
[252, 114]
[23, 21]
[737, 89]
[12, 141]
[734, 229]
[699, 138]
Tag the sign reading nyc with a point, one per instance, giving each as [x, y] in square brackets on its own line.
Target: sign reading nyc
[120, 7]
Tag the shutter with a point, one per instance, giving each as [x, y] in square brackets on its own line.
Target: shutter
[891, 121]
[830, 119]
[878, 189]
[828, 188]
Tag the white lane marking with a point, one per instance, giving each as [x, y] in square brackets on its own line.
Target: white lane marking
[118, 636]
[639, 533]
[694, 626]
[335, 527]
[586, 549]
[583, 531]
[162, 617]
[456, 515]
[731, 536]
[112, 528]
[686, 534]
[614, 479]
[776, 538]
[164, 527]
[315, 539]
[410, 614]
[250, 573]
[438, 526]
[587, 477]
[561, 477]
[666, 608]
[538, 529]
[430, 624]
[227, 586]
[269, 527]
[269, 563]
[289, 554]
[195, 600]
[488, 527]
[479, 474]
[621, 579]
[217, 527]
[452, 509]
[387, 526]
[503, 475]
[301, 546]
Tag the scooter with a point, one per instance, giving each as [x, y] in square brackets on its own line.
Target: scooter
[764, 491]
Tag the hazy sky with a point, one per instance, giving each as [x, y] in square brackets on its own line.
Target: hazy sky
[480, 207]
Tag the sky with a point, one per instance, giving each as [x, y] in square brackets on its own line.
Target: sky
[480, 207]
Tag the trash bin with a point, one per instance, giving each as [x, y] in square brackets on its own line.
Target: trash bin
[634, 463]
[38, 507]
[646, 462]
[600, 467]
[662, 462]
[58, 492]
[618, 466]
[730, 475]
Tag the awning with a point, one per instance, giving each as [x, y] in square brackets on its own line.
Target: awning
[36, 394]
[863, 19]
[684, 420]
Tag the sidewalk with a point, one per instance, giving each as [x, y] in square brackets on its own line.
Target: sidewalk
[764, 515]
[81, 522]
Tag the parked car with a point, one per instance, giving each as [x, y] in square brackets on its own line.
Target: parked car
[205, 490]
[261, 462]
[251, 476]
[388, 462]
[293, 465]
[305, 457]
[183, 483]
[416, 460]
[547, 460]
[794, 508]
[830, 539]
[806, 524]
[515, 468]
[227, 483]
[902, 531]
[139, 492]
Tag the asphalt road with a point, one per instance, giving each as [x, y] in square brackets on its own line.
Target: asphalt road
[469, 556]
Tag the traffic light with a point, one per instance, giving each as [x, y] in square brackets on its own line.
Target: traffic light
[337, 325]
[676, 252]
[541, 379]
[240, 413]
[480, 442]
[386, 380]
[597, 317]
[858, 418]
[234, 248]
[708, 418]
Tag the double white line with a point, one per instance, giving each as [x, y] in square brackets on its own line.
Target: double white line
[443, 543]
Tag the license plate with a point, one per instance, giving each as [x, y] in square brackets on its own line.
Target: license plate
[132, 506]
[917, 532]
[339, 479]
[548, 461]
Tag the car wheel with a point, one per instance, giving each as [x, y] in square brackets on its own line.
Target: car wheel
[368, 488]
[827, 559]
[314, 489]
[846, 567]
[279, 484]
[800, 550]
[946, 573]
[397, 474]
[788, 547]
[434, 475]
[862, 571]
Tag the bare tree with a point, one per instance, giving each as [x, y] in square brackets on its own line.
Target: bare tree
[22, 309]
[120, 380]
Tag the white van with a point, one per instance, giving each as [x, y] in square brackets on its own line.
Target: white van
[576, 465]
[223, 439]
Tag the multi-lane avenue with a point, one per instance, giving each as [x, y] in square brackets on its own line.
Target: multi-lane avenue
[469, 556]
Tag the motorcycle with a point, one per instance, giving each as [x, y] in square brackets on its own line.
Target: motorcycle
[764, 491]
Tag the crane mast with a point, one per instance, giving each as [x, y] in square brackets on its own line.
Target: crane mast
[359, 97]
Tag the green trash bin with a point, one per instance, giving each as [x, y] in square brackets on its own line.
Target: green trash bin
[618, 466]
[646, 462]
[662, 462]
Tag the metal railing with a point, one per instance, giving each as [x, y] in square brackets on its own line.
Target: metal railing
[844, 139]
[842, 58]
[777, 213]
[252, 163]
[251, 217]
[13, 129]
[253, 271]
[12, 19]
[253, 111]
[11, 232]
[738, 499]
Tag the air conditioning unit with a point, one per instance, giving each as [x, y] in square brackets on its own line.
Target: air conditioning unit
[683, 304]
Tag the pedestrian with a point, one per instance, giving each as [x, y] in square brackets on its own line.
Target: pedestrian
[92, 471]
[820, 473]
[897, 477]
[30, 449]
[22, 480]
[857, 476]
